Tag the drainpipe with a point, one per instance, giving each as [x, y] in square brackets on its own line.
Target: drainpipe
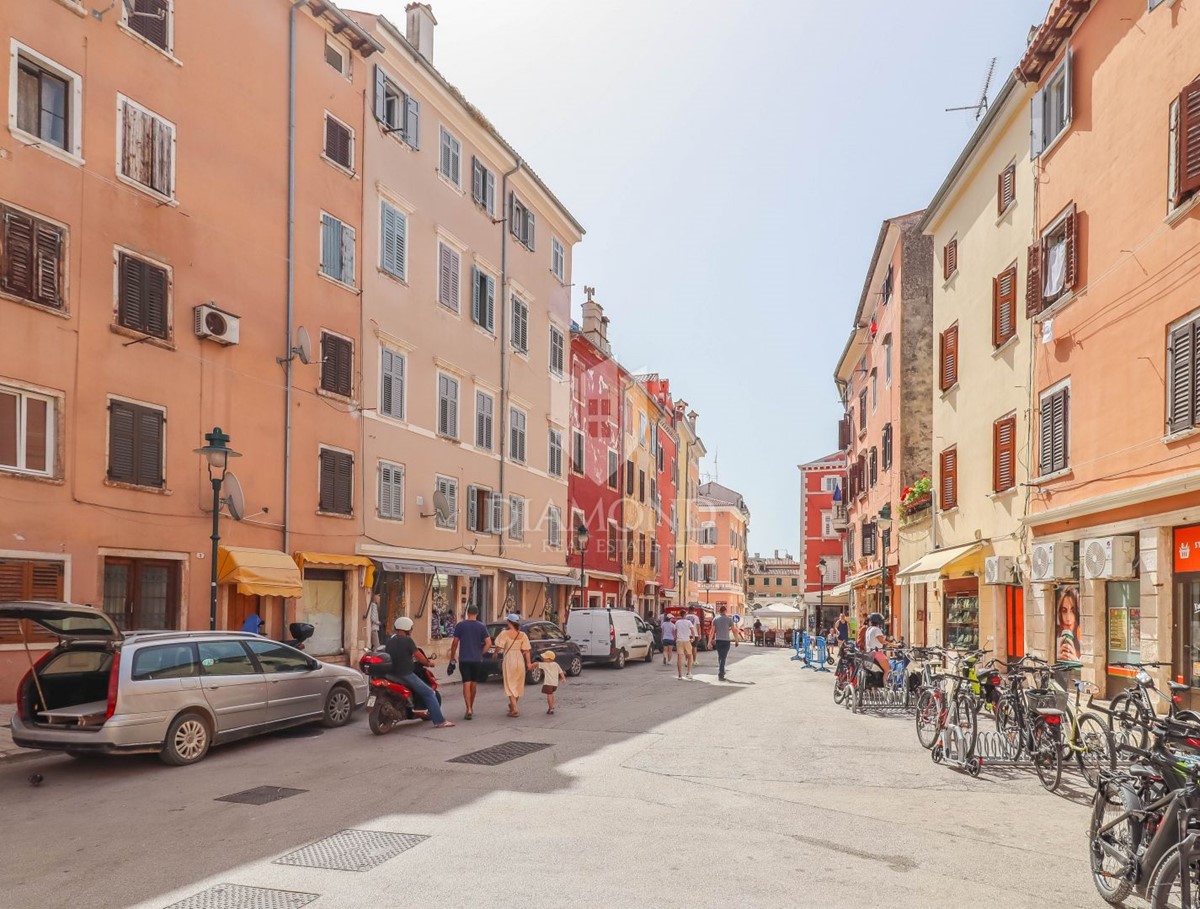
[504, 226]
[687, 527]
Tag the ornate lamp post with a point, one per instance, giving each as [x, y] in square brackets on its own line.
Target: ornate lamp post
[217, 454]
[821, 566]
[581, 540]
[679, 579]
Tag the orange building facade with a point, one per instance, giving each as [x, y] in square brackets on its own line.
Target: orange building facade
[724, 522]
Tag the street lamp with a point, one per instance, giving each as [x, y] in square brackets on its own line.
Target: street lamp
[821, 566]
[581, 540]
[217, 454]
[679, 579]
[884, 523]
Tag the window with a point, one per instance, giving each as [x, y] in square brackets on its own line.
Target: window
[135, 444]
[556, 453]
[830, 484]
[948, 358]
[396, 110]
[827, 524]
[948, 472]
[654, 554]
[862, 411]
[167, 661]
[1004, 454]
[147, 148]
[520, 325]
[641, 485]
[577, 451]
[868, 540]
[950, 259]
[613, 470]
[708, 534]
[484, 510]
[447, 406]
[391, 491]
[641, 549]
[889, 281]
[336, 482]
[516, 518]
[485, 410]
[1053, 264]
[274, 657]
[393, 245]
[142, 298]
[874, 390]
[337, 57]
[47, 102]
[483, 299]
[448, 487]
[33, 258]
[553, 527]
[337, 365]
[521, 221]
[629, 478]
[886, 444]
[448, 264]
[874, 467]
[558, 259]
[887, 361]
[1184, 170]
[850, 546]
[142, 593]
[1006, 188]
[516, 436]
[337, 250]
[224, 658]
[557, 351]
[1004, 306]
[27, 431]
[1051, 110]
[339, 143]
[152, 20]
[483, 186]
[451, 159]
[1183, 363]
[614, 540]
[393, 367]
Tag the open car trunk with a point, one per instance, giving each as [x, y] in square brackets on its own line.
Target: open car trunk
[74, 684]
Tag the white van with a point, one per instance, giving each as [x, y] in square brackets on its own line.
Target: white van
[611, 635]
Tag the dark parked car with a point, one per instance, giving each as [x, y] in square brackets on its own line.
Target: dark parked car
[543, 635]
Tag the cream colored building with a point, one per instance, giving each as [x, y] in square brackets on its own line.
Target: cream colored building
[962, 585]
[465, 385]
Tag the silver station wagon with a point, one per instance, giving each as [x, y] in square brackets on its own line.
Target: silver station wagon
[175, 693]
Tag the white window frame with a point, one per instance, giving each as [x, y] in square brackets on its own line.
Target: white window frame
[74, 150]
[384, 205]
[396, 469]
[53, 408]
[830, 483]
[558, 259]
[1041, 141]
[402, 416]
[447, 138]
[551, 435]
[122, 102]
[451, 483]
[557, 369]
[341, 246]
[708, 533]
[345, 69]
[827, 524]
[442, 374]
[344, 168]
[1062, 293]
[513, 437]
[491, 446]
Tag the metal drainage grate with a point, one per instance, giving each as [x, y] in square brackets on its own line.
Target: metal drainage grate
[499, 754]
[260, 795]
[352, 850]
[235, 896]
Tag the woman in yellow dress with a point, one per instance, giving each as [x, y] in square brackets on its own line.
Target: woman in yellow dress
[513, 646]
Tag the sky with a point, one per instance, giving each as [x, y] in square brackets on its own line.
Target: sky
[732, 163]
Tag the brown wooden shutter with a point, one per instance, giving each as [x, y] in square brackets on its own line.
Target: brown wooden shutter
[1071, 235]
[337, 142]
[337, 365]
[1006, 188]
[1182, 393]
[1004, 306]
[156, 301]
[144, 19]
[344, 487]
[149, 447]
[949, 478]
[48, 244]
[18, 254]
[1059, 434]
[1004, 442]
[843, 433]
[328, 481]
[1033, 281]
[949, 357]
[121, 431]
[1188, 138]
[950, 259]
[131, 292]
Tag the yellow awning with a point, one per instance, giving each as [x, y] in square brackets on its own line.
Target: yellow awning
[331, 560]
[928, 568]
[261, 572]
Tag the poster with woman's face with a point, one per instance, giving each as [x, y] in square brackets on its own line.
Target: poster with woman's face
[1066, 622]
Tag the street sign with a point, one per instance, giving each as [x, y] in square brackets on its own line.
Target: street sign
[737, 620]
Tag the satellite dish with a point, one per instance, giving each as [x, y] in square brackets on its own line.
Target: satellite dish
[234, 500]
[303, 348]
[441, 506]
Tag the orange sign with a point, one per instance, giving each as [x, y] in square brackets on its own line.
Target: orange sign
[1187, 548]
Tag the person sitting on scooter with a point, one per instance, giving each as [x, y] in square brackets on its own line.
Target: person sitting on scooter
[405, 655]
[876, 641]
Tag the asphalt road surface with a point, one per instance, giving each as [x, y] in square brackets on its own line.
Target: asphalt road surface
[754, 792]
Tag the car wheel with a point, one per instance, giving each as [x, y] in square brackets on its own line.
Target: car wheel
[534, 677]
[339, 705]
[188, 740]
[575, 667]
[649, 653]
[619, 660]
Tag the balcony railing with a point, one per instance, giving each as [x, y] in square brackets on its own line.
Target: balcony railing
[841, 522]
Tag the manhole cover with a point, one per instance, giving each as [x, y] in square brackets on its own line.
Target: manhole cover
[352, 850]
[498, 754]
[260, 795]
[235, 896]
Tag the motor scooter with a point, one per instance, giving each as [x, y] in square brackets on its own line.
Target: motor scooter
[389, 700]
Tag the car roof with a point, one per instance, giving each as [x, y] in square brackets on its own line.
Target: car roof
[145, 635]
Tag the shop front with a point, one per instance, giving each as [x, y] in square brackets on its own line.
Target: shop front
[1186, 662]
[1124, 629]
[257, 582]
[960, 607]
[330, 601]
[945, 610]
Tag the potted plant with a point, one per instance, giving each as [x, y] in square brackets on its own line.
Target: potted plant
[918, 496]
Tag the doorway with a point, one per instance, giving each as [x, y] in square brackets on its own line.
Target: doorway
[1187, 633]
[324, 609]
[1014, 611]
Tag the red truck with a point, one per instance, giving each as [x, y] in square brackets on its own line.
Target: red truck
[703, 613]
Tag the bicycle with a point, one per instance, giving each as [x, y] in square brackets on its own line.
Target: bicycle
[1030, 719]
[946, 704]
[1089, 740]
[1131, 711]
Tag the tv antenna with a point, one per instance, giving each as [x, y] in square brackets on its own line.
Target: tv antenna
[981, 106]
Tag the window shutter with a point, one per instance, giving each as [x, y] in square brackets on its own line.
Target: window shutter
[473, 520]
[1033, 281]
[412, 121]
[476, 302]
[48, 243]
[347, 266]
[1004, 317]
[1060, 439]
[131, 286]
[489, 191]
[514, 215]
[497, 506]
[380, 95]
[490, 304]
[331, 246]
[385, 479]
[156, 301]
[163, 153]
[145, 20]
[950, 259]
[1004, 454]
[1037, 121]
[344, 489]
[1188, 138]
[476, 180]
[1071, 274]
[530, 229]
[949, 375]
[149, 448]
[1006, 188]
[328, 482]
[843, 433]
[121, 458]
[454, 294]
[949, 472]
[395, 239]
[387, 391]
[448, 277]
[1183, 377]
[18, 254]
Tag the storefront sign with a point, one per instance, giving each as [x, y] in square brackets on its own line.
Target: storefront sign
[1187, 548]
[1066, 621]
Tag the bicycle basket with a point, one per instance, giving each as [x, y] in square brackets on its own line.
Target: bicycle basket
[1046, 699]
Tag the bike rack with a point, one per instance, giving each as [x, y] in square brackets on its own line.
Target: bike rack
[884, 699]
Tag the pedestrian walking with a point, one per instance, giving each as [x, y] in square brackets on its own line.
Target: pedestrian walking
[684, 651]
[758, 632]
[470, 641]
[552, 677]
[668, 637]
[696, 635]
[405, 655]
[724, 631]
[373, 623]
[842, 629]
[514, 648]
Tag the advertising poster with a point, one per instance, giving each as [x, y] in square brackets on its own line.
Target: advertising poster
[1066, 621]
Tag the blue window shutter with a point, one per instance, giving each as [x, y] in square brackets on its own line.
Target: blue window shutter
[412, 121]
[380, 101]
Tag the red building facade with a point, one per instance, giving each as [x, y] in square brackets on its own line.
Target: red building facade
[668, 520]
[822, 485]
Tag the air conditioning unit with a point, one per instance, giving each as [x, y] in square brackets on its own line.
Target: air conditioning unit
[1109, 557]
[1053, 562]
[999, 570]
[216, 325]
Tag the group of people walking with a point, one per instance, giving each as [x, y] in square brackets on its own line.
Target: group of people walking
[681, 634]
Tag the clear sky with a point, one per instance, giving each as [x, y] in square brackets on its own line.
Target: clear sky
[732, 162]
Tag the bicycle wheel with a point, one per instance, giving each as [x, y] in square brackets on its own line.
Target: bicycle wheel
[1165, 887]
[965, 715]
[1111, 801]
[1045, 748]
[841, 687]
[929, 708]
[1009, 728]
[859, 691]
[1128, 721]
[1098, 748]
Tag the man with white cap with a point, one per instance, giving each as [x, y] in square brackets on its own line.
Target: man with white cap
[405, 655]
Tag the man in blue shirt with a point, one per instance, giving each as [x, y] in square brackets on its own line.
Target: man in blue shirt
[471, 636]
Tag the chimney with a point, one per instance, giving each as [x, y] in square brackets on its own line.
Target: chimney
[420, 29]
[595, 325]
[776, 553]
